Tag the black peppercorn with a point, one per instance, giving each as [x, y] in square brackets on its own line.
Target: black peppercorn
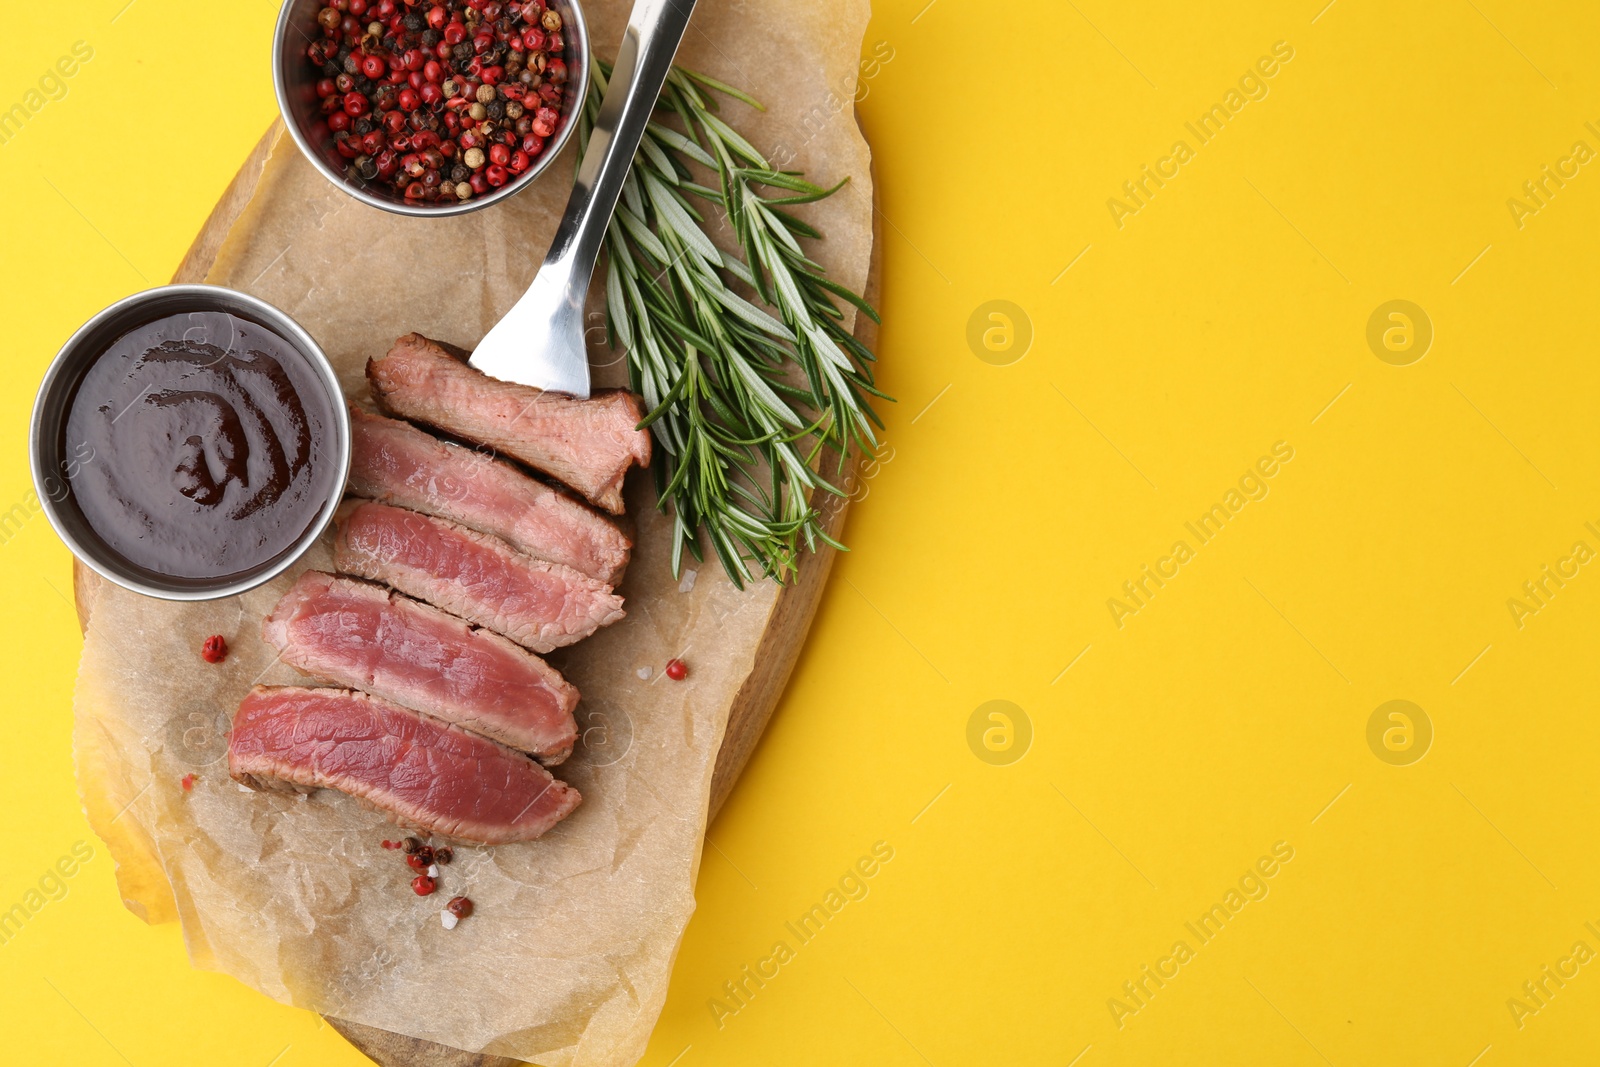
[460, 173]
[364, 126]
[410, 845]
[443, 856]
[496, 109]
[430, 38]
[413, 22]
[462, 53]
[350, 65]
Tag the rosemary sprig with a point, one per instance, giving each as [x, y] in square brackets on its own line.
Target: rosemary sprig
[747, 393]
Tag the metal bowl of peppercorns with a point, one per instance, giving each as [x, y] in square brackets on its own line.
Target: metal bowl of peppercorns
[431, 107]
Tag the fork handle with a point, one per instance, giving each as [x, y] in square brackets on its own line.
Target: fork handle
[655, 29]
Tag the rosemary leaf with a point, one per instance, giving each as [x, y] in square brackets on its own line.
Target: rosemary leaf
[744, 399]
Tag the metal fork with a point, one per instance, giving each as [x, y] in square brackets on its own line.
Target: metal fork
[540, 340]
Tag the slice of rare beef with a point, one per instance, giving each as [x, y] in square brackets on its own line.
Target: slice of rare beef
[364, 636]
[397, 463]
[423, 773]
[587, 444]
[479, 577]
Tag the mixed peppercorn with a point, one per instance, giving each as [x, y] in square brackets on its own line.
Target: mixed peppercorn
[441, 100]
[428, 860]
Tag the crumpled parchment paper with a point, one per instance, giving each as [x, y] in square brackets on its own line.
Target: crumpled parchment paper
[567, 958]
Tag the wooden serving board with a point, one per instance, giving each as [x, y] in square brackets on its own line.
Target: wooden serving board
[752, 708]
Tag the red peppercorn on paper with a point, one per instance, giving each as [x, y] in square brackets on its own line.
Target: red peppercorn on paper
[567, 956]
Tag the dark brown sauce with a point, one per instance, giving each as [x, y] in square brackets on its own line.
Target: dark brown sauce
[205, 429]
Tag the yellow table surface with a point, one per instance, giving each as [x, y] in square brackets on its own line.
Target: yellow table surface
[1434, 894]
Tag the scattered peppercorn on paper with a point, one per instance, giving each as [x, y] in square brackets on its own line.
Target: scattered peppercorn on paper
[567, 957]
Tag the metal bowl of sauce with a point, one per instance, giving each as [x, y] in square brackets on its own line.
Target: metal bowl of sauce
[190, 442]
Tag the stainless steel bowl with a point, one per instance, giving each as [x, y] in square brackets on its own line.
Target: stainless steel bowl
[295, 81]
[47, 445]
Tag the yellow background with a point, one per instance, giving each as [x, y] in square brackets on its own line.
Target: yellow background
[1225, 716]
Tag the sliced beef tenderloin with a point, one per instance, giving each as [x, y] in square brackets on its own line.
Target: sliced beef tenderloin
[364, 636]
[587, 444]
[477, 576]
[425, 774]
[396, 463]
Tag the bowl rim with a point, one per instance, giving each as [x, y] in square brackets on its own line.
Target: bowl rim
[281, 56]
[69, 359]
